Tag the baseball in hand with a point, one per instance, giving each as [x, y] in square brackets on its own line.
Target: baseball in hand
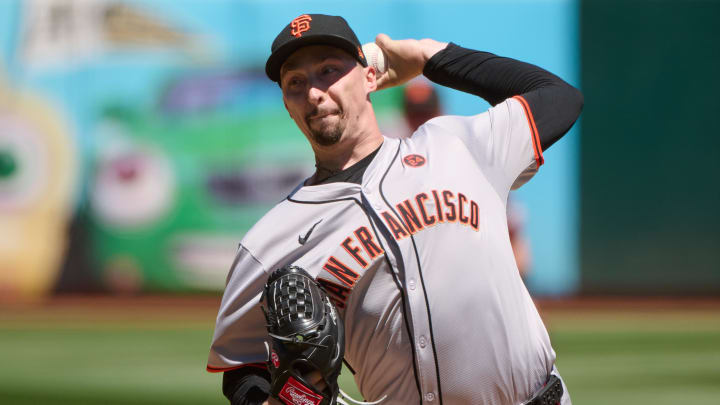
[375, 57]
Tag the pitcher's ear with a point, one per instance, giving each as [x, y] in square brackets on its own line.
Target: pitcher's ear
[370, 79]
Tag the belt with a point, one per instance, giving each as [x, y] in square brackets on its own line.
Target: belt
[549, 394]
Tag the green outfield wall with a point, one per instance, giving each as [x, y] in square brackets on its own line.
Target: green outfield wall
[650, 147]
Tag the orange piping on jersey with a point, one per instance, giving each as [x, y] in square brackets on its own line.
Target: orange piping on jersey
[223, 369]
[533, 130]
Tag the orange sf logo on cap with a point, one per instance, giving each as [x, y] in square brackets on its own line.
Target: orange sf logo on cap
[300, 25]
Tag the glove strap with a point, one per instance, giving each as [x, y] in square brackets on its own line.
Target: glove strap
[295, 339]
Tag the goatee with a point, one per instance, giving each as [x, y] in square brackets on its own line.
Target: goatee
[328, 133]
[327, 136]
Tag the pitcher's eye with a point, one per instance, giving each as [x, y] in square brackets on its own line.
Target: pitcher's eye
[293, 82]
[329, 69]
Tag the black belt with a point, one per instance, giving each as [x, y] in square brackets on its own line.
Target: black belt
[549, 394]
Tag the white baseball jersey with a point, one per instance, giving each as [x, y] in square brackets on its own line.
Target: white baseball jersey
[418, 261]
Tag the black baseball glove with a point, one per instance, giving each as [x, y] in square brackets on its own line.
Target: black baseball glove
[307, 337]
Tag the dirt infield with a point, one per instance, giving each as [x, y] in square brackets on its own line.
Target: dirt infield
[203, 303]
[149, 309]
[624, 302]
[203, 308]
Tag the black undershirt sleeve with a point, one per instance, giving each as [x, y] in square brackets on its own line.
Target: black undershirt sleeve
[246, 386]
[555, 105]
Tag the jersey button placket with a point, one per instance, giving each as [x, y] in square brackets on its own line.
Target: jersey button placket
[421, 325]
[368, 194]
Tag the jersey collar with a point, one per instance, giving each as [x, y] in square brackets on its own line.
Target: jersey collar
[336, 191]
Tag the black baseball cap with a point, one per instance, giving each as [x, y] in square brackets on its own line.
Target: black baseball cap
[312, 29]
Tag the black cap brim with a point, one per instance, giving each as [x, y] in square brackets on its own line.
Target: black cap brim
[276, 60]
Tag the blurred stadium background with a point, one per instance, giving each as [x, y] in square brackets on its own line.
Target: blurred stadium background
[139, 140]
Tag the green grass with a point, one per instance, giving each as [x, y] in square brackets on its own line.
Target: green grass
[640, 359]
[108, 366]
[605, 358]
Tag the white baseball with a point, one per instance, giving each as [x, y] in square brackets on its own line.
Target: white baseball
[375, 57]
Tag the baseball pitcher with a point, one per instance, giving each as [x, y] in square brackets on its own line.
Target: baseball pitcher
[399, 248]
